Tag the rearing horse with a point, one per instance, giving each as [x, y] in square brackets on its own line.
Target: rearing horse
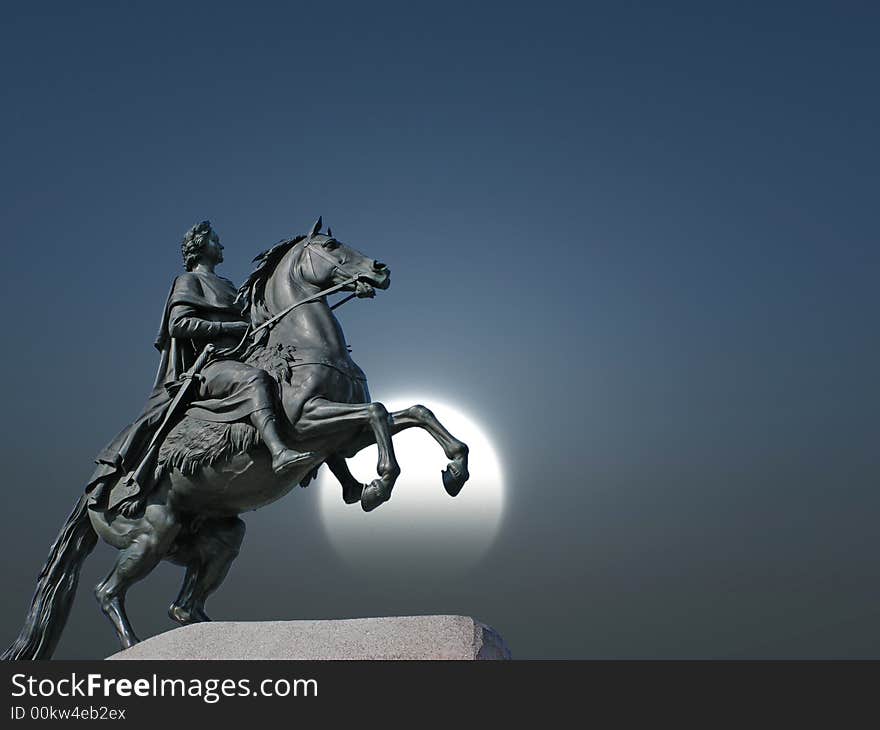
[214, 472]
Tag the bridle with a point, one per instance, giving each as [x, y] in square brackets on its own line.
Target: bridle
[269, 323]
[309, 248]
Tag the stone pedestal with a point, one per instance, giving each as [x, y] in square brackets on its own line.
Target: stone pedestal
[398, 637]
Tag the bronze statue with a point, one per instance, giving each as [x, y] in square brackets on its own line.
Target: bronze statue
[256, 389]
[202, 309]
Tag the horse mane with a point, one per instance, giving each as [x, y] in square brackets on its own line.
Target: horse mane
[252, 292]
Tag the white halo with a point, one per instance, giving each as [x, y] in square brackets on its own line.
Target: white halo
[421, 524]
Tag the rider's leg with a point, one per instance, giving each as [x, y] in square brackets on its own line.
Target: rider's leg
[283, 458]
[251, 391]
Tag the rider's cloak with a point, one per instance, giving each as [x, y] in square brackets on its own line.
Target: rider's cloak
[209, 296]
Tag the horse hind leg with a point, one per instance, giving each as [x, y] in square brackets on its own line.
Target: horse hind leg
[181, 610]
[152, 536]
[207, 555]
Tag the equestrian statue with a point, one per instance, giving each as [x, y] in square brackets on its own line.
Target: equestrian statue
[255, 390]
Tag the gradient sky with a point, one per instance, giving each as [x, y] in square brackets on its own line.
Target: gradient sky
[637, 240]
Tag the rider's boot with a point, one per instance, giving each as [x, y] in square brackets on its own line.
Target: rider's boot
[283, 458]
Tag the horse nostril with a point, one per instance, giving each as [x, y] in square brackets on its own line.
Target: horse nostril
[379, 266]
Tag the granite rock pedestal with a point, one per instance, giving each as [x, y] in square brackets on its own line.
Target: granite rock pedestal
[398, 637]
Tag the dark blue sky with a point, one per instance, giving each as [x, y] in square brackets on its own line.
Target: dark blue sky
[639, 240]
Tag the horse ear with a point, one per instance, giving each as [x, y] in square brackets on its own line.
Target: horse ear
[316, 228]
[329, 231]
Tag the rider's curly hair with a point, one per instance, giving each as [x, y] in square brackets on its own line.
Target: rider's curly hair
[194, 241]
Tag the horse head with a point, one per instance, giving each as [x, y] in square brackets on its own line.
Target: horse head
[325, 261]
[306, 265]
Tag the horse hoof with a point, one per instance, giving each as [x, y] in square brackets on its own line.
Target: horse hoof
[454, 478]
[128, 641]
[183, 616]
[353, 493]
[373, 496]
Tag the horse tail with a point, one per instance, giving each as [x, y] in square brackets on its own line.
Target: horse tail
[56, 586]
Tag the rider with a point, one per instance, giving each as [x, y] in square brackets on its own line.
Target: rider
[201, 309]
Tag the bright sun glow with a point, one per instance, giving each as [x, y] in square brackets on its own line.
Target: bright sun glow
[421, 525]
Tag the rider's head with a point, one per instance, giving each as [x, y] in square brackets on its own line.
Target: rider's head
[201, 244]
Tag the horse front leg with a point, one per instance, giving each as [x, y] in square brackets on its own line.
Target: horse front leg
[454, 476]
[321, 417]
[352, 489]
[456, 472]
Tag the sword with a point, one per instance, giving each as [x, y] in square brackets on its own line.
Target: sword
[190, 381]
[130, 485]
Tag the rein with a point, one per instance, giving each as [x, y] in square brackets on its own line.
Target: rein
[336, 266]
[313, 298]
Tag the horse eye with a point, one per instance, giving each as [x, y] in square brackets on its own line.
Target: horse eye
[330, 244]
